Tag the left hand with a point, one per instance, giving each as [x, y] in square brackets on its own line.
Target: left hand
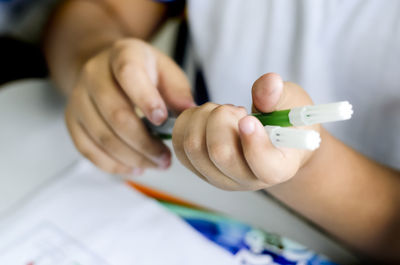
[226, 147]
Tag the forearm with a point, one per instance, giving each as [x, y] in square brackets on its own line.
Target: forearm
[82, 28]
[350, 196]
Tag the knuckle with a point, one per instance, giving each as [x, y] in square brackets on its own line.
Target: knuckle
[120, 117]
[107, 140]
[209, 105]
[182, 118]
[242, 111]
[124, 67]
[192, 144]
[124, 62]
[222, 154]
[186, 113]
[101, 95]
[222, 110]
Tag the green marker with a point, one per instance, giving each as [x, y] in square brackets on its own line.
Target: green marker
[307, 115]
[294, 138]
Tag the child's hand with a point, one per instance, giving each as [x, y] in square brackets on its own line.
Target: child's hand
[231, 150]
[101, 115]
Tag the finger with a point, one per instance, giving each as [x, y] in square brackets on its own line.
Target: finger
[106, 138]
[173, 84]
[267, 92]
[197, 151]
[89, 149]
[270, 93]
[224, 146]
[132, 68]
[271, 165]
[114, 107]
[178, 138]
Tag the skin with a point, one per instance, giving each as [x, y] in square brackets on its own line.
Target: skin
[98, 56]
[111, 78]
[231, 150]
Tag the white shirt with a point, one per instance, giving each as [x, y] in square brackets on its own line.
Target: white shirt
[335, 49]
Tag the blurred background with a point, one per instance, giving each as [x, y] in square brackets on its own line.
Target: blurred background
[22, 25]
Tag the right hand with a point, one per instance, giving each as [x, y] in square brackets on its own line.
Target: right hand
[101, 115]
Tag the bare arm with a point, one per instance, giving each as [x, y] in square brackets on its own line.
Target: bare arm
[352, 197]
[82, 28]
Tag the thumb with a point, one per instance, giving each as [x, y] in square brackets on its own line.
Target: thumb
[270, 93]
[267, 93]
[173, 85]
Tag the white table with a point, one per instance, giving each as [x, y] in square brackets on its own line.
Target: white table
[35, 147]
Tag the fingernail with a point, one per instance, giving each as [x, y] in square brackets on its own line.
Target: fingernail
[137, 172]
[157, 116]
[164, 161]
[247, 127]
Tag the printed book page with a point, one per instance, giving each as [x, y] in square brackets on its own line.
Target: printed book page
[87, 217]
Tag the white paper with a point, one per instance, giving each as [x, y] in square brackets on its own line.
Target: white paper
[86, 217]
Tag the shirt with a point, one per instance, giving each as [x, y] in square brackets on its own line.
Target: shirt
[335, 49]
